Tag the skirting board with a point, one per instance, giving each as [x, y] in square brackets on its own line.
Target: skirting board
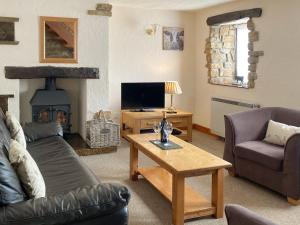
[205, 130]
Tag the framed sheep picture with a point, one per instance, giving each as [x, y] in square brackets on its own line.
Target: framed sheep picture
[173, 38]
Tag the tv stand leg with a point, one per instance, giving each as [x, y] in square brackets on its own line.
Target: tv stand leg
[136, 127]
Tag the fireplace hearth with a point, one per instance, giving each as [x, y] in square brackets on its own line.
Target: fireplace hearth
[52, 104]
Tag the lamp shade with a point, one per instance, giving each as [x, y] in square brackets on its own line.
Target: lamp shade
[172, 87]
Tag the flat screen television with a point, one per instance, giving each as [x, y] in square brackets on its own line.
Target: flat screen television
[142, 96]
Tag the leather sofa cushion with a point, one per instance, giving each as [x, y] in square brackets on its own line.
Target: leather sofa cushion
[35, 131]
[10, 187]
[60, 166]
[268, 155]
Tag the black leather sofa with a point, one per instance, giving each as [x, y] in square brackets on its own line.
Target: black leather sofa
[74, 194]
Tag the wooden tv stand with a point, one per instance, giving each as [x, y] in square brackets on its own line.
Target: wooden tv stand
[135, 122]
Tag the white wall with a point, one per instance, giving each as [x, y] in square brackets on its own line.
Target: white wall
[138, 57]
[119, 45]
[278, 70]
[92, 52]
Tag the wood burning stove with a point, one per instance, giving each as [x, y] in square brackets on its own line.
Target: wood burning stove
[52, 104]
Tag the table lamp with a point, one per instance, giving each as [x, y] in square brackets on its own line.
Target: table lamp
[172, 87]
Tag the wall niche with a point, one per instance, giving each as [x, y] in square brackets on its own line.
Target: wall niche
[7, 30]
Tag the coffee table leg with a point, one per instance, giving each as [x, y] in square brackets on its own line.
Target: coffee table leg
[217, 197]
[133, 162]
[178, 200]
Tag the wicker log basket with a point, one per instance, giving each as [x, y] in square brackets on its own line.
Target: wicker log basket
[102, 132]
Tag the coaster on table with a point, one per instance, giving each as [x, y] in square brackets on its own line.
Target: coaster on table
[166, 146]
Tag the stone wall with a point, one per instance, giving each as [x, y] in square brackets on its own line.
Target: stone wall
[253, 55]
[221, 54]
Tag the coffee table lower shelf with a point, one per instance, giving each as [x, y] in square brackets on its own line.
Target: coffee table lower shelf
[195, 205]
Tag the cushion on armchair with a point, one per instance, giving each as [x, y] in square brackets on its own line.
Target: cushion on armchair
[268, 155]
[279, 133]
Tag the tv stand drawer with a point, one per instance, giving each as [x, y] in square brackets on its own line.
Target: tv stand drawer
[149, 123]
[178, 121]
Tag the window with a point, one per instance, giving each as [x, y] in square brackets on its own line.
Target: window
[227, 54]
[242, 53]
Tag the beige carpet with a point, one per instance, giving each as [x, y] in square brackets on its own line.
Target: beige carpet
[148, 207]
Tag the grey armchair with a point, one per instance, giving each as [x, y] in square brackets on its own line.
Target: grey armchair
[275, 167]
[238, 215]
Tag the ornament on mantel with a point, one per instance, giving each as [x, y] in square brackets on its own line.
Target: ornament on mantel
[102, 9]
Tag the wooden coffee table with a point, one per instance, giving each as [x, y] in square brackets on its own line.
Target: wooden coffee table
[174, 167]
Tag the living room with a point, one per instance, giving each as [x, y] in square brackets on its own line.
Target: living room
[117, 43]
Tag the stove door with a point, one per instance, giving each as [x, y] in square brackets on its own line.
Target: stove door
[61, 114]
[41, 114]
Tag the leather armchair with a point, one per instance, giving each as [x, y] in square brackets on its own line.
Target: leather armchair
[98, 204]
[275, 167]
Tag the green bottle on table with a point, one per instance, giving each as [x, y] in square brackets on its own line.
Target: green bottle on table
[163, 131]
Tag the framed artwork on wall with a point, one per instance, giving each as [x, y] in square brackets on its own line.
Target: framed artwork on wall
[58, 40]
[173, 38]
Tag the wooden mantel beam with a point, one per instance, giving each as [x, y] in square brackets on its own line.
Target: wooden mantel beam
[231, 16]
[12, 72]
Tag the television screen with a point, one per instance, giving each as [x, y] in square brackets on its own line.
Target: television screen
[142, 95]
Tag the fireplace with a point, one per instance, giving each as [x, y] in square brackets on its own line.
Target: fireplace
[52, 104]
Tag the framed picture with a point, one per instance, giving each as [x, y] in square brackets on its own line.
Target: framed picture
[173, 38]
[58, 40]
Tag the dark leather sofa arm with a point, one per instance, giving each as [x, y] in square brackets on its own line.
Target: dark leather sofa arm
[238, 215]
[291, 166]
[78, 205]
[244, 126]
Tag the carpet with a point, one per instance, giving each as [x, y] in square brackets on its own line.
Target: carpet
[148, 207]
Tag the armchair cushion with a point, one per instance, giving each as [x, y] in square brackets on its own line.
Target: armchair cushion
[279, 133]
[268, 155]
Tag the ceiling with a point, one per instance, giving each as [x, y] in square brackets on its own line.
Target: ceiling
[168, 4]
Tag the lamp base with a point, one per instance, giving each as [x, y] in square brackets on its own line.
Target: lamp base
[171, 112]
[171, 109]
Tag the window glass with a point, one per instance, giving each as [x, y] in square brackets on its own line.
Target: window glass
[242, 53]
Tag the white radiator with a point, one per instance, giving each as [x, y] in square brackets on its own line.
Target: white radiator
[221, 107]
